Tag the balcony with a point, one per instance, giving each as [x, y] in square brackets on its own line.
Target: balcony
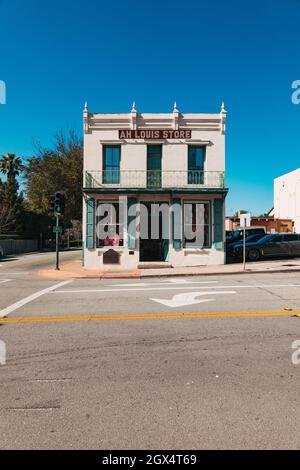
[154, 179]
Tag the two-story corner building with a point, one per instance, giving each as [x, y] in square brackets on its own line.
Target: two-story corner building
[165, 171]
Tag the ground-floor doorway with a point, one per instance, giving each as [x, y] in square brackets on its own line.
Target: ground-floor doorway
[153, 248]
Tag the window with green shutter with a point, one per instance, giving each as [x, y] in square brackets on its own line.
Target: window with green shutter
[154, 157]
[177, 223]
[90, 223]
[131, 222]
[196, 158]
[111, 164]
[218, 224]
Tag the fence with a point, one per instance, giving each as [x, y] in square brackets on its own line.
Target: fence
[12, 247]
[154, 179]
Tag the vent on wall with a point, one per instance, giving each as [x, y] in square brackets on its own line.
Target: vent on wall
[111, 257]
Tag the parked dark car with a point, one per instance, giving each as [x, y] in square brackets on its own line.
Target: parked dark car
[237, 235]
[272, 245]
[1, 252]
[249, 239]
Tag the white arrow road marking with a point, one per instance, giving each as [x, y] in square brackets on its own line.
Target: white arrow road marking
[5, 280]
[189, 298]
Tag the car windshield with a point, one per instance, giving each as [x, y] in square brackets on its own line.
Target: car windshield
[266, 238]
[254, 238]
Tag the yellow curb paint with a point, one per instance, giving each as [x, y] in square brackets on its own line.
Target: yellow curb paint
[146, 316]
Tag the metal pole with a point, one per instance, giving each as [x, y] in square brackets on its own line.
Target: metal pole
[244, 248]
[57, 247]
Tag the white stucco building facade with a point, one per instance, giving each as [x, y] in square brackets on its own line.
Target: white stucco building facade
[136, 160]
[287, 198]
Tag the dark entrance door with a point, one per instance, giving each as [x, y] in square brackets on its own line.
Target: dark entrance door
[153, 249]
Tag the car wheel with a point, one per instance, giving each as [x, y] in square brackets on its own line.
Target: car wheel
[253, 255]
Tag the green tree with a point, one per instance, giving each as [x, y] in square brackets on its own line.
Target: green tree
[241, 211]
[56, 169]
[11, 200]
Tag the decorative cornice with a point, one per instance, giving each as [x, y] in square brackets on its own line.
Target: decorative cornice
[175, 120]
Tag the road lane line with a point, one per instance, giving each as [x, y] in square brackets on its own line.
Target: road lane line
[148, 316]
[74, 291]
[2, 281]
[8, 272]
[30, 298]
[145, 284]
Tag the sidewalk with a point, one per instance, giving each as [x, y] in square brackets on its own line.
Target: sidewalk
[74, 270]
[286, 265]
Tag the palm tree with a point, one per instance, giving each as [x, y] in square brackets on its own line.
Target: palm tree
[11, 165]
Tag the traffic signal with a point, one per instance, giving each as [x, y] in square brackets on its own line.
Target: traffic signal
[52, 203]
[58, 203]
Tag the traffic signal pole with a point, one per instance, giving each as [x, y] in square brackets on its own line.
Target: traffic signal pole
[57, 207]
[57, 243]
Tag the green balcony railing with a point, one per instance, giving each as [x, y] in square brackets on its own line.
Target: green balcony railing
[154, 179]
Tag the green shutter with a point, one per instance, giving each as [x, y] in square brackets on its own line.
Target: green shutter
[88, 180]
[177, 223]
[218, 224]
[90, 223]
[131, 223]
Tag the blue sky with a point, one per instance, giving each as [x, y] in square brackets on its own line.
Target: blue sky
[54, 55]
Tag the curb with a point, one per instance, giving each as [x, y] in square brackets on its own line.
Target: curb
[148, 276]
[224, 273]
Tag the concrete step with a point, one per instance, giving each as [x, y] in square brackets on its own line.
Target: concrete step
[154, 265]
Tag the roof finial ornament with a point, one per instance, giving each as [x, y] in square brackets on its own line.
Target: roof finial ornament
[223, 116]
[133, 110]
[175, 110]
[86, 118]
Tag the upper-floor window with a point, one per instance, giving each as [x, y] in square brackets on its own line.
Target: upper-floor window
[196, 157]
[154, 157]
[111, 164]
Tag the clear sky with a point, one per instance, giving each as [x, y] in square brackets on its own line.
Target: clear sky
[56, 54]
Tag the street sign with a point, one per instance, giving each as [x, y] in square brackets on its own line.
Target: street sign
[245, 220]
[57, 229]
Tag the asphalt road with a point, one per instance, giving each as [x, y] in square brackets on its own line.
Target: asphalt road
[201, 362]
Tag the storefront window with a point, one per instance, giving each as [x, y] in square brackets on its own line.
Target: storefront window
[110, 224]
[197, 224]
[111, 164]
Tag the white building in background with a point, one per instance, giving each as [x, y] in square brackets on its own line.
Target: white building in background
[135, 161]
[287, 198]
